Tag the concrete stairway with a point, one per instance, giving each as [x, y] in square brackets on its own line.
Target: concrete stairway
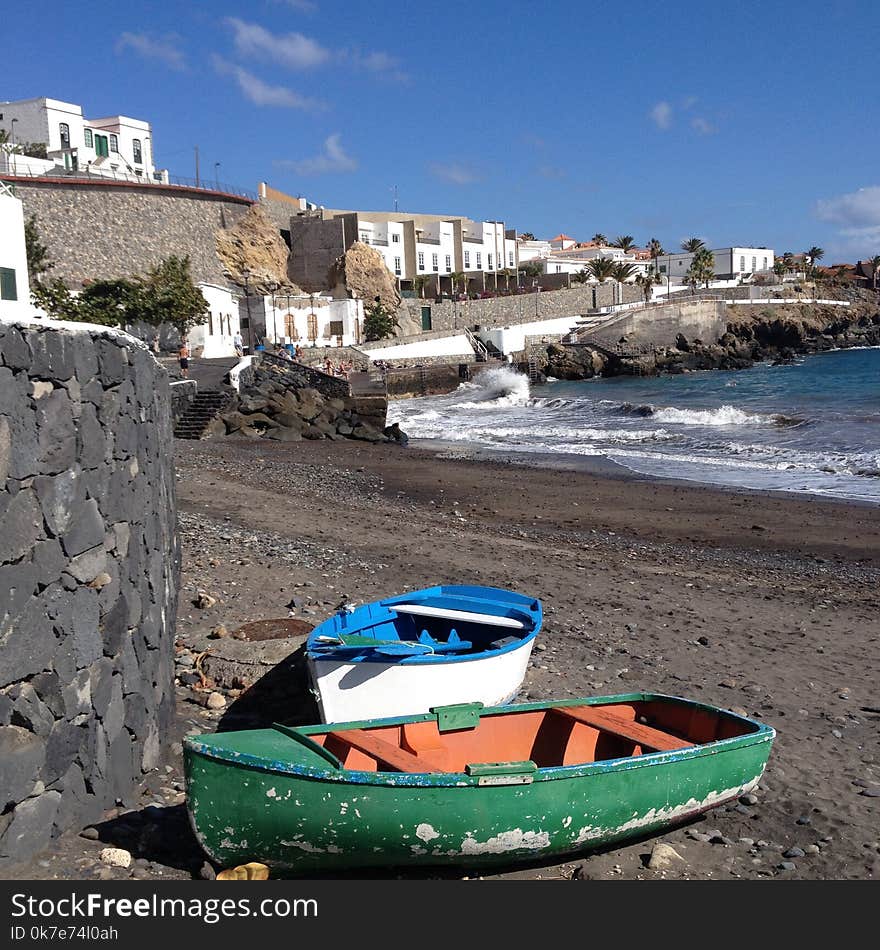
[206, 406]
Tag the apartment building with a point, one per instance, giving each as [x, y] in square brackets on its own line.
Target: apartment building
[412, 245]
[731, 263]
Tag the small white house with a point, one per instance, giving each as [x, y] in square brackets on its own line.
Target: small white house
[116, 146]
[309, 320]
[15, 294]
[731, 263]
[214, 338]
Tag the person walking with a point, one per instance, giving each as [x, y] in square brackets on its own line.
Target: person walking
[183, 357]
[238, 343]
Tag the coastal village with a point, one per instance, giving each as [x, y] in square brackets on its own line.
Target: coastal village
[209, 532]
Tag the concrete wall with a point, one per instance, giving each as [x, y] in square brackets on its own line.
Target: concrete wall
[112, 229]
[659, 325]
[517, 308]
[89, 565]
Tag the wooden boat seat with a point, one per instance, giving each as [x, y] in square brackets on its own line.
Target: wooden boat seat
[385, 753]
[645, 736]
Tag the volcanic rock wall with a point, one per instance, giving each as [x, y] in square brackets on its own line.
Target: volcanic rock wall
[89, 566]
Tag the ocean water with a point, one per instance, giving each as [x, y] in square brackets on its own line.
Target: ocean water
[811, 426]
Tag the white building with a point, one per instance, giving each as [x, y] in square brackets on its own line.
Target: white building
[412, 245]
[116, 146]
[214, 337]
[15, 294]
[533, 250]
[309, 320]
[576, 259]
[731, 263]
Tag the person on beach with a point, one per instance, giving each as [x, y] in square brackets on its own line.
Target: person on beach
[298, 352]
[183, 357]
[328, 366]
[238, 343]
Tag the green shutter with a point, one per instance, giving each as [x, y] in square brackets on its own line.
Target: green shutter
[8, 287]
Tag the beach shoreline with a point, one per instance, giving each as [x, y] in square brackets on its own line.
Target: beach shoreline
[762, 603]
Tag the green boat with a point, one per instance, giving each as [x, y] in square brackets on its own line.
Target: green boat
[466, 785]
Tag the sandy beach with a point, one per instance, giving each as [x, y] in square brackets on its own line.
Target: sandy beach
[765, 603]
[762, 603]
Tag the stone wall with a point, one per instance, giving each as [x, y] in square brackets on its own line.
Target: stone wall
[515, 308]
[105, 230]
[89, 567]
[661, 324]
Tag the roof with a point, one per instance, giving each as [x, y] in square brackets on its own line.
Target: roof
[561, 237]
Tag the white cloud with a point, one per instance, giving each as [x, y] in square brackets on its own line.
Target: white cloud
[857, 216]
[689, 102]
[261, 93]
[333, 159]
[164, 48]
[703, 126]
[290, 49]
[454, 173]
[661, 115]
[304, 6]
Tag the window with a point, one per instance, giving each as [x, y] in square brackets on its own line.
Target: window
[87, 137]
[448, 263]
[559, 268]
[114, 143]
[365, 237]
[662, 268]
[479, 260]
[742, 264]
[510, 258]
[765, 263]
[210, 323]
[754, 264]
[489, 260]
[101, 145]
[397, 266]
[64, 132]
[395, 238]
[467, 260]
[8, 288]
[136, 151]
[290, 330]
[421, 260]
[434, 266]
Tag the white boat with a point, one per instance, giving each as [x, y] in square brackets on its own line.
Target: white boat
[439, 646]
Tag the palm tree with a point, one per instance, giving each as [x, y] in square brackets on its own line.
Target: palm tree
[692, 245]
[780, 267]
[600, 239]
[656, 249]
[527, 236]
[420, 281]
[621, 272]
[647, 281]
[602, 268]
[459, 277]
[814, 254]
[702, 267]
[624, 243]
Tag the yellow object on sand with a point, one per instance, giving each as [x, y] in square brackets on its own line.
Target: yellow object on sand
[252, 871]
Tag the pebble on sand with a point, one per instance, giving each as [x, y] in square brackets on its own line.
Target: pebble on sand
[662, 855]
[216, 701]
[116, 857]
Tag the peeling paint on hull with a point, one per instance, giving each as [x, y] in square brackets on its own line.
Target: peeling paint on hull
[436, 819]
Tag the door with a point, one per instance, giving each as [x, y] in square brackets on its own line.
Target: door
[426, 318]
[101, 146]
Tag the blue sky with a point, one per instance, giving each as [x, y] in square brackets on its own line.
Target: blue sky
[747, 123]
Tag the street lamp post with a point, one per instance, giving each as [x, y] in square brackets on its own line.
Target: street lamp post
[12, 137]
[217, 175]
[273, 286]
[246, 274]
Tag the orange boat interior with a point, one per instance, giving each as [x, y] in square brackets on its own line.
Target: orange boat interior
[562, 735]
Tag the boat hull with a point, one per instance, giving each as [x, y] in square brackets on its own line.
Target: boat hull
[349, 691]
[302, 820]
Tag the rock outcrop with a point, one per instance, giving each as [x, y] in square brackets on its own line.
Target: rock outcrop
[363, 274]
[289, 405]
[776, 334]
[255, 243]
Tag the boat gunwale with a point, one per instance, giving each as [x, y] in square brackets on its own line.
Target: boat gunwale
[529, 607]
[763, 733]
